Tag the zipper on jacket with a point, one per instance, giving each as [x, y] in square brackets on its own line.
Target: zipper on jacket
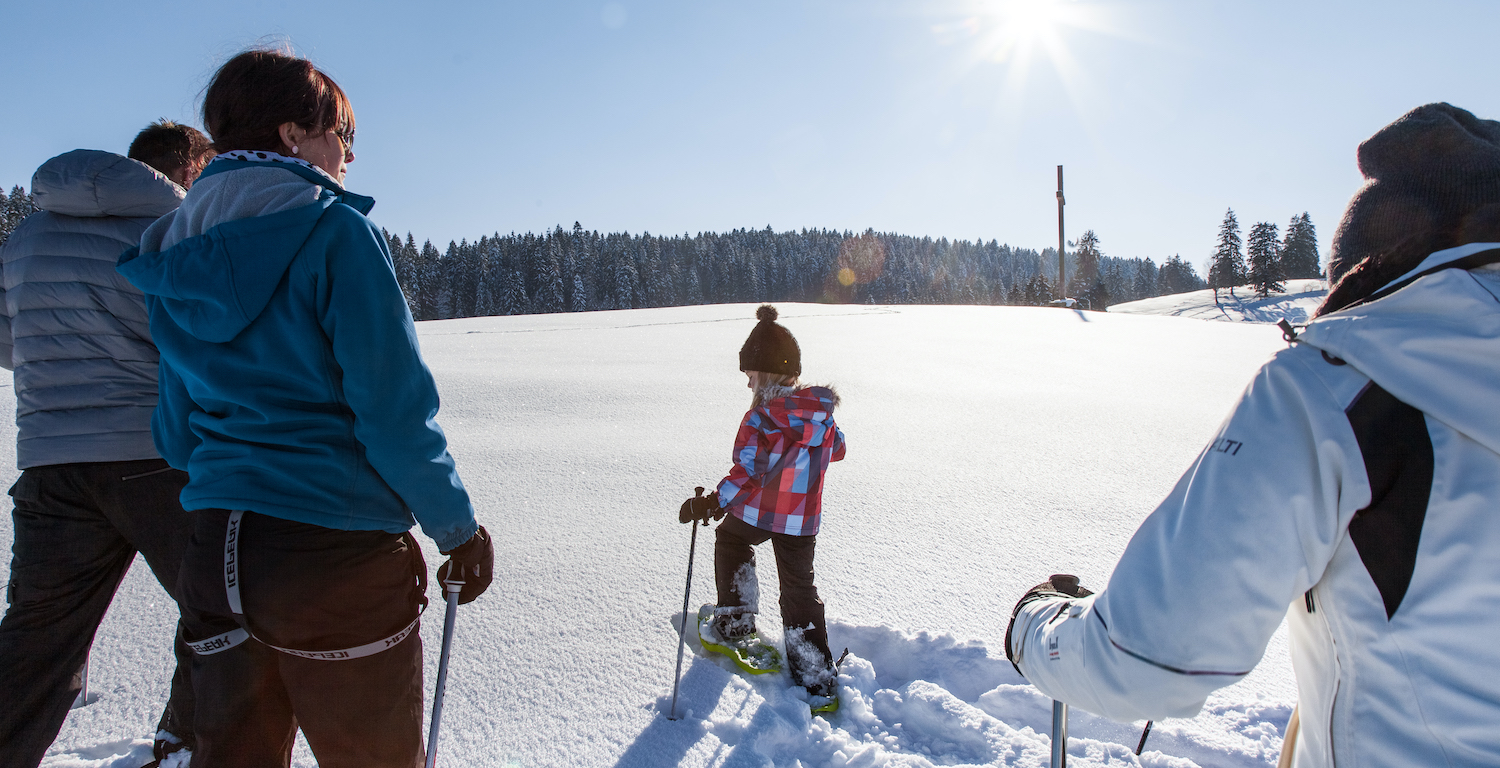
[1308, 599]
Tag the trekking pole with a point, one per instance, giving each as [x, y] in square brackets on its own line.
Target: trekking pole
[686, 594]
[1059, 734]
[452, 588]
[1144, 733]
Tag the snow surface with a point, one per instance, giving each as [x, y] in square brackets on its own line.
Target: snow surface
[1297, 305]
[988, 447]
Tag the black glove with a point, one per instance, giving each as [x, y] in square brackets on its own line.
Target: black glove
[1059, 585]
[472, 563]
[700, 507]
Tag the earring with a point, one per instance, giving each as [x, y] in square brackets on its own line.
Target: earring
[294, 149]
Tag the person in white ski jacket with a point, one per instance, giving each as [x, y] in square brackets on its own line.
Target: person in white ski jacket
[1354, 490]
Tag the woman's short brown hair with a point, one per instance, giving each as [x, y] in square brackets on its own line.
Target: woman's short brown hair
[257, 91]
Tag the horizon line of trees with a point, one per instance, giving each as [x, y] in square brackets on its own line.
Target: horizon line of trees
[582, 270]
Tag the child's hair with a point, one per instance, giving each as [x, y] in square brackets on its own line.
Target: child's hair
[761, 384]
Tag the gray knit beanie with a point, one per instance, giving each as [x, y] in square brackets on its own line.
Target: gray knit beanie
[1432, 181]
[770, 347]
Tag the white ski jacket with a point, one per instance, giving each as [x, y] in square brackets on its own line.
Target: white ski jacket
[1358, 482]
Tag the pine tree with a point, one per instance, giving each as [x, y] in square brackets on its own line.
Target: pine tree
[430, 280]
[1265, 274]
[1086, 272]
[1177, 276]
[1144, 284]
[14, 209]
[1228, 267]
[1299, 249]
[548, 296]
[580, 301]
[513, 293]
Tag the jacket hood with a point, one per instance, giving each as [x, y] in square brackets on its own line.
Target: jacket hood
[803, 414]
[215, 262]
[89, 183]
[1433, 344]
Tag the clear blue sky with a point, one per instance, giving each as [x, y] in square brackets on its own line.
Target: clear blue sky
[902, 115]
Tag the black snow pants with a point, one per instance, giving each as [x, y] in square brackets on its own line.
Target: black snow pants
[324, 639]
[78, 528]
[808, 657]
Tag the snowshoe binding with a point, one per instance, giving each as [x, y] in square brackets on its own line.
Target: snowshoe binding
[823, 697]
[747, 651]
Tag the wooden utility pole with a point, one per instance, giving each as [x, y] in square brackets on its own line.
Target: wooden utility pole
[1062, 282]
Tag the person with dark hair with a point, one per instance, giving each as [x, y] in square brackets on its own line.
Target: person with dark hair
[1352, 492]
[774, 492]
[179, 151]
[295, 396]
[93, 490]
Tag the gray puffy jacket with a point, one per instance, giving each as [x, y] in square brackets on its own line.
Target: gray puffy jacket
[71, 328]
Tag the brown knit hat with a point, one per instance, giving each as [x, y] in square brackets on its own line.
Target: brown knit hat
[770, 347]
[1432, 181]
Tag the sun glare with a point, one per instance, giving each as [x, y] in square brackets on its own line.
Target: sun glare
[1020, 34]
[1014, 29]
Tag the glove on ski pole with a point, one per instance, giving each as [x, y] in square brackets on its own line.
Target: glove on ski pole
[471, 564]
[1059, 585]
[700, 508]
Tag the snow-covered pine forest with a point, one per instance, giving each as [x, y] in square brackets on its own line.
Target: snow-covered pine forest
[580, 270]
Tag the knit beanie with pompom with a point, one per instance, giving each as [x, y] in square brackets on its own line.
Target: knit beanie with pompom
[1432, 182]
[770, 347]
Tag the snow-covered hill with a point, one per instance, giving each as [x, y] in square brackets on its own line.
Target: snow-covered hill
[988, 447]
[1297, 305]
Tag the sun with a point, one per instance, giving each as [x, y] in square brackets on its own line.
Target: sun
[1030, 19]
[1014, 30]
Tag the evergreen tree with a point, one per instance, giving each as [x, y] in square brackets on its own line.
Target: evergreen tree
[429, 279]
[448, 283]
[1228, 267]
[13, 209]
[580, 301]
[548, 296]
[1299, 249]
[513, 294]
[1086, 269]
[1038, 290]
[1265, 274]
[405, 258]
[1144, 284]
[1177, 276]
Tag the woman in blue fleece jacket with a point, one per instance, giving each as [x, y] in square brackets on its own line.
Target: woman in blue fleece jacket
[294, 394]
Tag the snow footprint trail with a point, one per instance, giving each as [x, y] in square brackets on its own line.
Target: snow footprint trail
[924, 700]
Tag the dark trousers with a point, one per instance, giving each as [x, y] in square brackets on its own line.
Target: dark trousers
[78, 528]
[801, 609]
[306, 588]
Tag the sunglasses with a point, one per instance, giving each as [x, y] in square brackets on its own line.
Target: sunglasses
[346, 135]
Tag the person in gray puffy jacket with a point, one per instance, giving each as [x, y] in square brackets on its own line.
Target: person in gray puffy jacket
[93, 490]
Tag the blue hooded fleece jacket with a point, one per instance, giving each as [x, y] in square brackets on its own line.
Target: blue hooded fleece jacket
[291, 381]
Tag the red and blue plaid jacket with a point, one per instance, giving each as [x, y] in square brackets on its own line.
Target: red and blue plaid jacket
[780, 454]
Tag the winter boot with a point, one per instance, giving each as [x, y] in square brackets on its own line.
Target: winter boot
[734, 627]
[171, 737]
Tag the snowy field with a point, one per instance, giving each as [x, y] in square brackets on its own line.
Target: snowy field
[988, 447]
[1297, 305]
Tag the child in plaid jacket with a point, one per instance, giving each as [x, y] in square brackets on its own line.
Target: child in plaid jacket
[774, 492]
